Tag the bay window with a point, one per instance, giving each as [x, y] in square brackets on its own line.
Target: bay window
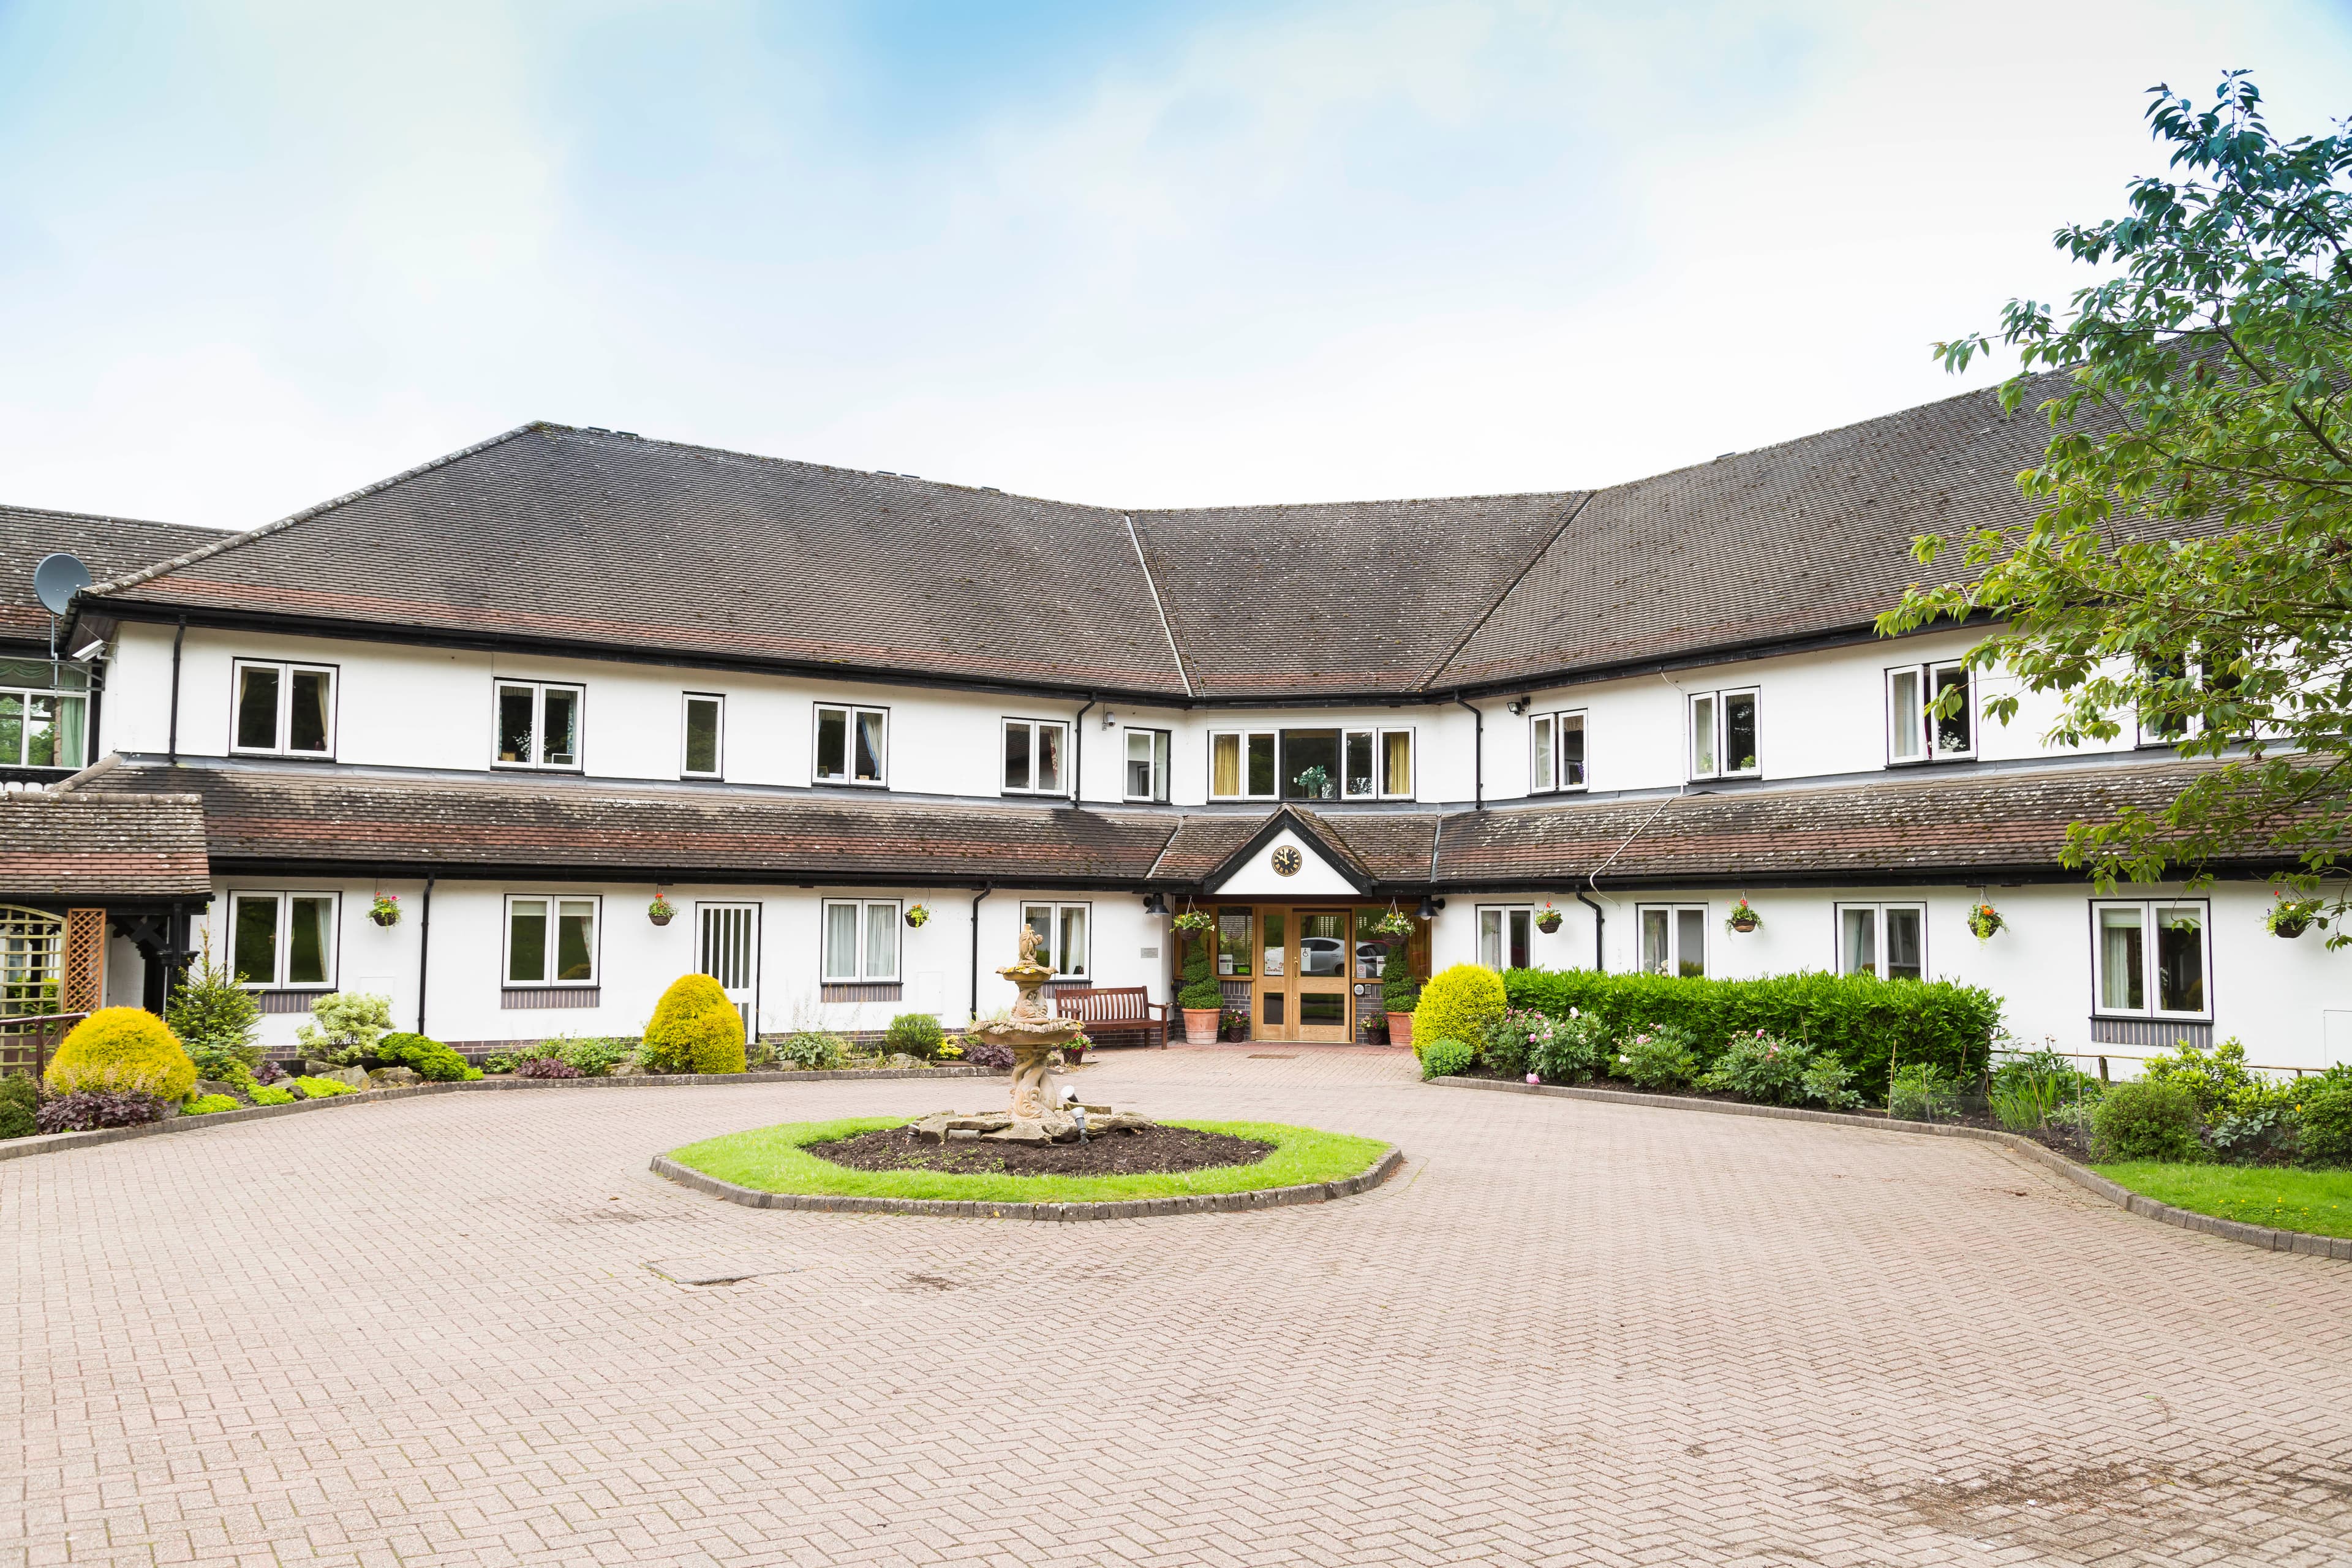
[1724, 734]
[1505, 938]
[283, 709]
[1147, 764]
[1033, 749]
[550, 941]
[1554, 752]
[1672, 938]
[2151, 958]
[1063, 929]
[1889, 941]
[1915, 731]
[283, 940]
[1371, 763]
[538, 725]
[861, 939]
[703, 733]
[851, 745]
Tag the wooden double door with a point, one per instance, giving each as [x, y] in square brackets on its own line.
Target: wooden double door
[1306, 961]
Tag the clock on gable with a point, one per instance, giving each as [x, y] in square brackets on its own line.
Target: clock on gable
[1286, 861]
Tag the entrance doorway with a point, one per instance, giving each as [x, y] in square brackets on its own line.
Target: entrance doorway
[1305, 958]
[731, 956]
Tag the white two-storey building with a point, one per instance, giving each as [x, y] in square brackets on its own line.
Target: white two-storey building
[858, 729]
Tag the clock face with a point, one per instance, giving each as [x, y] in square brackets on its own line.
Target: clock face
[1286, 861]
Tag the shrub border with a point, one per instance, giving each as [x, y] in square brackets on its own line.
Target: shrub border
[2260, 1235]
[56, 1142]
[973, 1208]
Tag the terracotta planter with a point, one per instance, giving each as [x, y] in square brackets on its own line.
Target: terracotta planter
[1400, 1028]
[1200, 1024]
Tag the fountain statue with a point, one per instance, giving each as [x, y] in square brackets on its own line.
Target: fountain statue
[1034, 1035]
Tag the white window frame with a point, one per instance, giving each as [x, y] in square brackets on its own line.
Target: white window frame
[2150, 909]
[1674, 936]
[1054, 912]
[1878, 912]
[1163, 752]
[850, 712]
[1272, 736]
[26, 695]
[500, 684]
[1918, 726]
[1717, 701]
[554, 902]
[1546, 749]
[1378, 735]
[865, 908]
[287, 669]
[2191, 724]
[1036, 727]
[1503, 916]
[283, 945]
[685, 735]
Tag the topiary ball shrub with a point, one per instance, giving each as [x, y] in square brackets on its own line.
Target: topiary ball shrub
[694, 1029]
[1458, 1004]
[916, 1035]
[2324, 1125]
[546, 1067]
[1445, 1058]
[87, 1109]
[430, 1060]
[122, 1050]
[2146, 1120]
[19, 1097]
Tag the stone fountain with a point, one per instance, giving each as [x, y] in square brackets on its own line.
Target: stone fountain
[1034, 1035]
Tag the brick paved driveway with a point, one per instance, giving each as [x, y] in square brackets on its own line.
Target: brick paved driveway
[423, 1332]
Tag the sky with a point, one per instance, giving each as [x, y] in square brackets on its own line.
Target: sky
[253, 255]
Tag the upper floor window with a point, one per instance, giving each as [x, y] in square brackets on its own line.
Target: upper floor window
[2211, 674]
[1242, 765]
[1672, 938]
[1915, 731]
[282, 939]
[2151, 958]
[284, 709]
[851, 745]
[550, 941]
[1554, 752]
[1889, 941]
[1033, 749]
[44, 714]
[1723, 734]
[1147, 764]
[861, 939]
[704, 730]
[539, 724]
[1311, 764]
[1063, 928]
[1505, 938]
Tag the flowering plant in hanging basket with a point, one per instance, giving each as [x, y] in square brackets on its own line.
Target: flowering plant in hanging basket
[661, 911]
[916, 914]
[1742, 918]
[385, 910]
[2291, 916]
[1547, 919]
[1984, 920]
[1192, 920]
[1396, 924]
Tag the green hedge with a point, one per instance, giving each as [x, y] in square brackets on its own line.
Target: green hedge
[1866, 1020]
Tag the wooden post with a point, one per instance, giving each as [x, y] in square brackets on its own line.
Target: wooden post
[84, 970]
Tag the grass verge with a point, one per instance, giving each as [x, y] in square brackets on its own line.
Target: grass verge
[774, 1160]
[2317, 1201]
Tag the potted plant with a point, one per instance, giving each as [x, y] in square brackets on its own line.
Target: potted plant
[1743, 919]
[1314, 783]
[1193, 920]
[1234, 1026]
[1400, 994]
[916, 914]
[1548, 918]
[1984, 920]
[661, 911]
[385, 910]
[1203, 1000]
[1393, 928]
[2291, 916]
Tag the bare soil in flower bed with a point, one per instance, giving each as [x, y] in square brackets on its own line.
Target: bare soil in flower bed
[1152, 1151]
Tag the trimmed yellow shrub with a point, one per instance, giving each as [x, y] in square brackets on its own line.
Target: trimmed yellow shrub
[120, 1050]
[1458, 1004]
[694, 1029]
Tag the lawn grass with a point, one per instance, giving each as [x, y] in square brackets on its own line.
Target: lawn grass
[772, 1160]
[2318, 1202]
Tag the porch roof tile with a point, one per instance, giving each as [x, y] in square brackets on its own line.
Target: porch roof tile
[102, 847]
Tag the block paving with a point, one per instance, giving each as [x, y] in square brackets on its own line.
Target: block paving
[452, 1330]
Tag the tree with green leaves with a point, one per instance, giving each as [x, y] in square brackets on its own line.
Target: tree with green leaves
[2189, 568]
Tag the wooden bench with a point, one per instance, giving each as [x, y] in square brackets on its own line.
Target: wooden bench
[1115, 1010]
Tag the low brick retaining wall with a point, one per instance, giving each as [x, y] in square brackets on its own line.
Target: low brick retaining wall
[50, 1142]
[2260, 1236]
[954, 1208]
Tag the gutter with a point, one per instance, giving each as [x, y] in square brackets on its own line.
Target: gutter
[1600, 923]
[1478, 757]
[424, 948]
[1078, 752]
[985, 889]
[176, 638]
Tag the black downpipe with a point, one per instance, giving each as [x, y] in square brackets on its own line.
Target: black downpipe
[175, 687]
[986, 889]
[1600, 922]
[424, 950]
[1477, 758]
[1078, 754]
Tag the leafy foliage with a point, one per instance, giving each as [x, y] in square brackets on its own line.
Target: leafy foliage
[546, 1067]
[695, 1028]
[1922, 1091]
[86, 1110]
[265, 1094]
[345, 1028]
[122, 1050]
[2324, 1131]
[206, 1104]
[2146, 1118]
[430, 1060]
[1776, 1071]
[813, 1050]
[1201, 991]
[20, 1097]
[1445, 1057]
[215, 1017]
[1457, 1003]
[322, 1087]
[2191, 566]
[1663, 1057]
[915, 1035]
[1399, 990]
[986, 1053]
[1566, 1050]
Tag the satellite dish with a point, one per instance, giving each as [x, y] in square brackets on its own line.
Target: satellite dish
[58, 579]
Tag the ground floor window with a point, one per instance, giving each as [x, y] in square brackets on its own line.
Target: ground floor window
[282, 939]
[1504, 936]
[1063, 930]
[1674, 938]
[550, 941]
[1889, 941]
[861, 939]
[2151, 958]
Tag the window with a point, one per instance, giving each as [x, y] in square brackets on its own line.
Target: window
[1554, 752]
[1311, 764]
[704, 729]
[1063, 928]
[850, 745]
[2151, 958]
[44, 714]
[861, 939]
[1033, 749]
[1378, 764]
[282, 939]
[1723, 730]
[284, 709]
[1235, 929]
[539, 724]
[550, 941]
[1505, 937]
[1241, 764]
[1674, 938]
[1147, 764]
[1915, 734]
[1889, 941]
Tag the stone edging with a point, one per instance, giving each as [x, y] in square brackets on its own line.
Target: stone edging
[2260, 1236]
[52, 1143]
[955, 1209]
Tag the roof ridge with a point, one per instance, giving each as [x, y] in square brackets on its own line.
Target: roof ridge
[106, 516]
[1532, 562]
[1151, 586]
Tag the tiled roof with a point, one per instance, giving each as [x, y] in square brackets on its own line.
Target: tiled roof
[108, 546]
[102, 847]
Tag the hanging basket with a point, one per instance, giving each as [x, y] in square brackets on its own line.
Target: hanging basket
[917, 916]
[1548, 921]
[1984, 921]
[385, 910]
[2290, 918]
[1743, 919]
[661, 911]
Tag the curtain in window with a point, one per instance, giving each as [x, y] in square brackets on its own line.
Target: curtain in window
[2121, 957]
[1656, 940]
[72, 714]
[1049, 758]
[869, 748]
[1490, 939]
[1396, 763]
[881, 942]
[1074, 941]
[1858, 940]
[1703, 736]
[253, 939]
[307, 729]
[1225, 765]
[576, 939]
[1906, 726]
[527, 942]
[841, 942]
[309, 941]
[1539, 743]
[1905, 948]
